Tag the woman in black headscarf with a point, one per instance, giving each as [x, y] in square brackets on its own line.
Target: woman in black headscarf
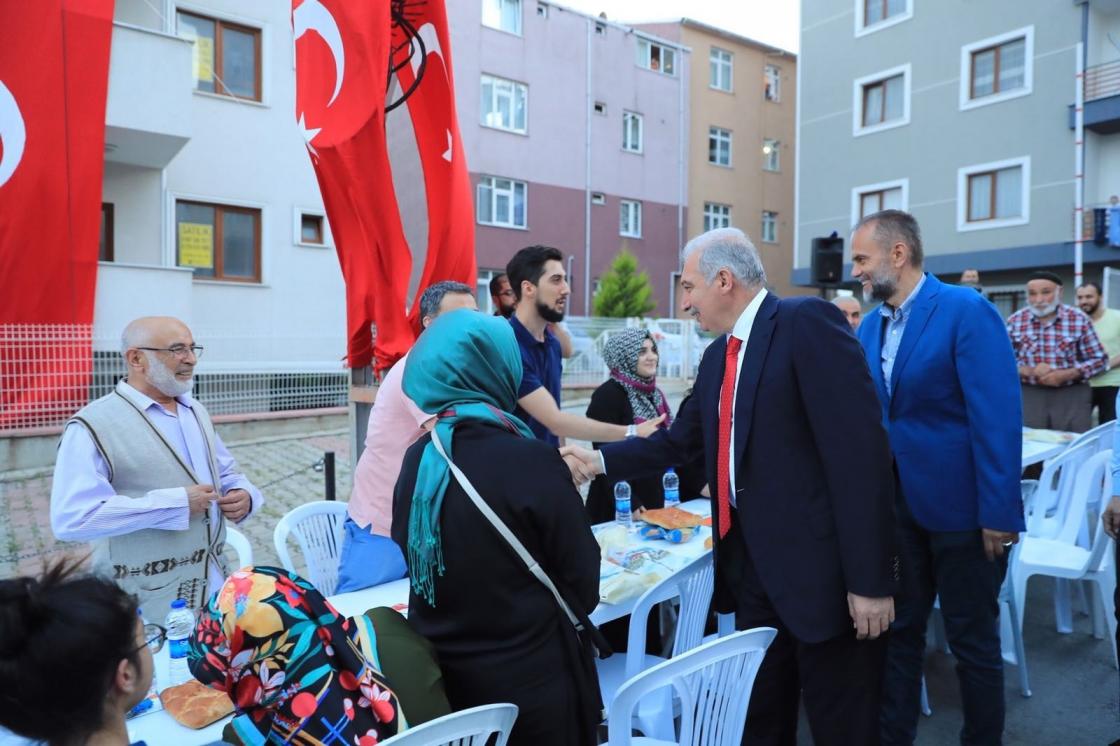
[629, 396]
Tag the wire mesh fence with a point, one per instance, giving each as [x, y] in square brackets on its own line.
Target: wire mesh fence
[49, 371]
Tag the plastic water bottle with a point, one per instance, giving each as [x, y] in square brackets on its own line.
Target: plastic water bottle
[179, 624]
[671, 484]
[622, 514]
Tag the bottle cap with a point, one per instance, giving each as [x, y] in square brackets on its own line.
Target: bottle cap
[178, 604]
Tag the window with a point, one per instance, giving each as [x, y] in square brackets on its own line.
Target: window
[719, 64]
[501, 202]
[716, 216]
[872, 15]
[769, 226]
[772, 83]
[598, 198]
[504, 104]
[542, 10]
[997, 68]
[105, 235]
[656, 57]
[227, 56]
[771, 155]
[719, 146]
[482, 289]
[993, 195]
[632, 132]
[311, 228]
[600, 28]
[504, 15]
[886, 195]
[600, 108]
[881, 101]
[218, 242]
[630, 219]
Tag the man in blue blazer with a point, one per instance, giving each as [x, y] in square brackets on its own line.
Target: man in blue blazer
[948, 386]
[785, 421]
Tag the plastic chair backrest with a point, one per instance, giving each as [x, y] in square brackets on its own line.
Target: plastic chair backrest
[1100, 437]
[1056, 484]
[471, 727]
[318, 528]
[693, 584]
[713, 683]
[240, 544]
[1094, 479]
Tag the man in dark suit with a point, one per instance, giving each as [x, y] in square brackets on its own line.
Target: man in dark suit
[785, 421]
[947, 382]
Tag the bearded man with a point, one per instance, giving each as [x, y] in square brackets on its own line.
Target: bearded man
[143, 477]
[1057, 351]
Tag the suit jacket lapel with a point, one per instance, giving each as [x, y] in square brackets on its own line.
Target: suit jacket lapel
[915, 325]
[873, 349]
[754, 356]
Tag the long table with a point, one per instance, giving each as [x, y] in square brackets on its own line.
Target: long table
[1040, 445]
[160, 729]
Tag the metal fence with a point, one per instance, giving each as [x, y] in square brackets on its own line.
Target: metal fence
[49, 371]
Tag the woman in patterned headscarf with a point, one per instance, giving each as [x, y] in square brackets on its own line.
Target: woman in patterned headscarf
[295, 670]
[629, 396]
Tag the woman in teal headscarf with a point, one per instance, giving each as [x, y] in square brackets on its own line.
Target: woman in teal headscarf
[498, 632]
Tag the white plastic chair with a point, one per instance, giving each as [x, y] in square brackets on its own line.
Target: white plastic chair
[318, 528]
[713, 684]
[1100, 437]
[693, 585]
[471, 727]
[238, 542]
[1061, 557]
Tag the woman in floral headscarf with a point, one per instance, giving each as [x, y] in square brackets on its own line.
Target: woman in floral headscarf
[296, 670]
[629, 396]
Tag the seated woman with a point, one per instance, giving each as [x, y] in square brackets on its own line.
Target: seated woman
[499, 633]
[296, 671]
[74, 657]
[629, 396]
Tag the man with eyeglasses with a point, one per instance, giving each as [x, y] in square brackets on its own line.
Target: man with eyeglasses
[143, 477]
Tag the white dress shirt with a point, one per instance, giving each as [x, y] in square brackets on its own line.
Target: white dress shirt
[742, 331]
[84, 505]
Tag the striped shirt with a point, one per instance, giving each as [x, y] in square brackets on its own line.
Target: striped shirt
[1066, 341]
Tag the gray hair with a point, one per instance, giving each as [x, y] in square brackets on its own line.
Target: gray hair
[433, 296]
[841, 298]
[135, 334]
[730, 249]
[895, 226]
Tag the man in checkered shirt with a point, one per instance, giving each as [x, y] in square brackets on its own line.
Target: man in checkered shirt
[1057, 351]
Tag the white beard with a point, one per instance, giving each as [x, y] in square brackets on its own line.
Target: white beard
[1045, 311]
[164, 379]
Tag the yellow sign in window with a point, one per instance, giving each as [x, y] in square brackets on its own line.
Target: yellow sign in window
[204, 59]
[196, 245]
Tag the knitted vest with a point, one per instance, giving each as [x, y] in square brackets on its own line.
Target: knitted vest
[156, 565]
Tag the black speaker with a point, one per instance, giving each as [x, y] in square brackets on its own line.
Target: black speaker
[827, 261]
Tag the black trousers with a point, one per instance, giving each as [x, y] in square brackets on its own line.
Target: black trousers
[840, 679]
[1104, 399]
[950, 565]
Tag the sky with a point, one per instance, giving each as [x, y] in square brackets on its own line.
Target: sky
[773, 22]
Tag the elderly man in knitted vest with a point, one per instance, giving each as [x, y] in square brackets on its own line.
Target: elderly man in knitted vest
[144, 478]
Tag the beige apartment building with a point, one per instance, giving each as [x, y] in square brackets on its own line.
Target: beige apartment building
[742, 124]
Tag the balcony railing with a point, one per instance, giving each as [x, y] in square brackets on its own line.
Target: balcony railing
[1102, 81]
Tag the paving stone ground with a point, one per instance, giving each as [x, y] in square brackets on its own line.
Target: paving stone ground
[1074, 680]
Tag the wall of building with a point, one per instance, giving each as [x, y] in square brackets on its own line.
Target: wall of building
[940, 138]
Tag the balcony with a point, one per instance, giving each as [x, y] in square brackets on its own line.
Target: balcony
[148, 114]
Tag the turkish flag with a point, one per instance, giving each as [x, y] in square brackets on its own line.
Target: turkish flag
[54, 72]
[343, 54]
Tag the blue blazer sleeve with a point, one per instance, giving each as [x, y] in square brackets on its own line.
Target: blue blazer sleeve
[989, 380]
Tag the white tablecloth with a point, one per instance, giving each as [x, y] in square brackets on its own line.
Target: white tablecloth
[1040, 445]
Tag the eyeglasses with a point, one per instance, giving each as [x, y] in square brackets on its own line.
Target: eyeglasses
[154, 637]
[179, 351]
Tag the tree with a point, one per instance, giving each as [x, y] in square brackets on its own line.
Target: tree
[624, 292]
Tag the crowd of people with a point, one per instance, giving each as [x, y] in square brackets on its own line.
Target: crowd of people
[860, 466]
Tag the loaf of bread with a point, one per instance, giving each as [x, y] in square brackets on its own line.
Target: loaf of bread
[670, 518]
[195, 705]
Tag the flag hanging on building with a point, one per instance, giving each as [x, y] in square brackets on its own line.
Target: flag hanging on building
[54, 73]
[346, 54]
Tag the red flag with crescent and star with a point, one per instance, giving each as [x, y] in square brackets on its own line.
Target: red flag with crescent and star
[345, 54]
[54, 73]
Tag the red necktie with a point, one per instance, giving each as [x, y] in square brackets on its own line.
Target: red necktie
[723, 459]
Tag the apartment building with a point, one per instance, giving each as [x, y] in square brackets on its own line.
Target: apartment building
[742, 140]
[961, 113]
